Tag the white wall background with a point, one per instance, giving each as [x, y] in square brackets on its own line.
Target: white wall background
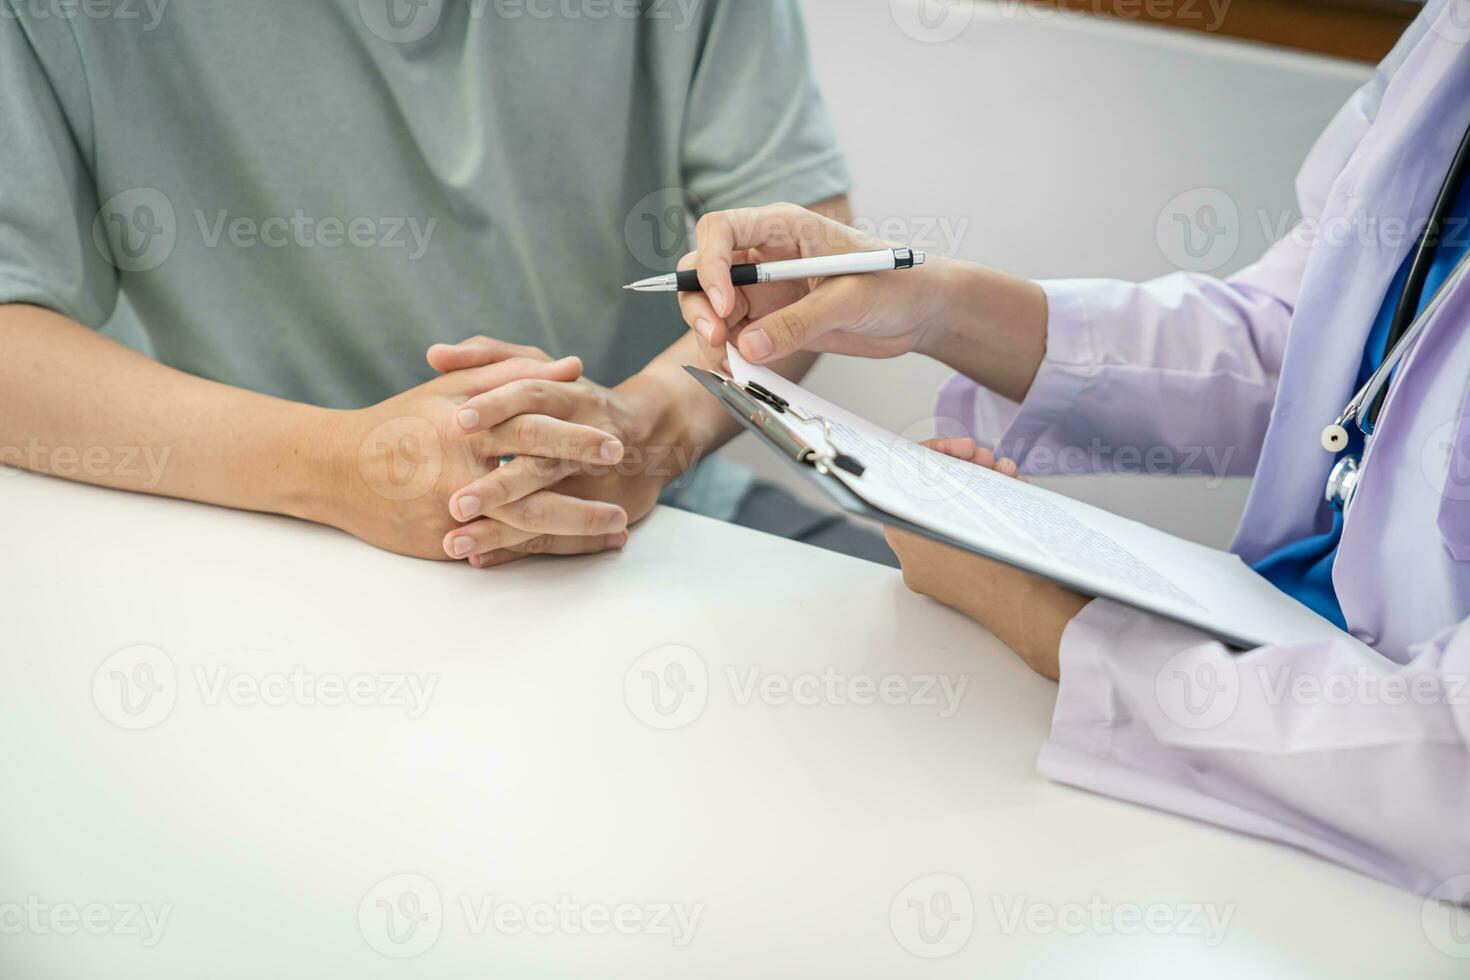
[1050, 144]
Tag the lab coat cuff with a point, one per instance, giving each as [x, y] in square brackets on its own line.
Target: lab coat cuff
[1082, 723]
[1070, 364]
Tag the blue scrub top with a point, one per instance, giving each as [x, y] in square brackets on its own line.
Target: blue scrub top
[1303, 568]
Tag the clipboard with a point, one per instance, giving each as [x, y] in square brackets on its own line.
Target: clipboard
[767, 415]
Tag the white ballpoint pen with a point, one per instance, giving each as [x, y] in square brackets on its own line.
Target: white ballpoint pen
[851, 264]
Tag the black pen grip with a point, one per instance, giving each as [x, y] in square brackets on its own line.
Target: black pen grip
[740, 275]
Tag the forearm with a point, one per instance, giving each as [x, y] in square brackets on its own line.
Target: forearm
[80, 406]
[987, 325]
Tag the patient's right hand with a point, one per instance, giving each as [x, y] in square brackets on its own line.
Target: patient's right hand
[396, 465]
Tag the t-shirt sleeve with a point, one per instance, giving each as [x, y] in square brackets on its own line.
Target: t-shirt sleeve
[48, 197]
[756, 130]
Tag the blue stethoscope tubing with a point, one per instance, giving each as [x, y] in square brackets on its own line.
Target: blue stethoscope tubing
[1362, 411]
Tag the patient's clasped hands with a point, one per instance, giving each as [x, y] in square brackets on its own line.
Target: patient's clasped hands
[507, 454]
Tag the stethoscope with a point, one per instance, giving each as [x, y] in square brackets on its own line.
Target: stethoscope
[1406, 327]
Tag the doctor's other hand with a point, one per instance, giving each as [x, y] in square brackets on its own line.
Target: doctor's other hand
[984, 323]
[651, 451]
[398, 465]
[1025, 612]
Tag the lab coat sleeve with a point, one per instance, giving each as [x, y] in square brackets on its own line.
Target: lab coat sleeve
[1159, 377]
[1176, 375]
[1326, 746]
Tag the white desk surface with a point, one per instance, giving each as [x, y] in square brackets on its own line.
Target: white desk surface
[276, 837]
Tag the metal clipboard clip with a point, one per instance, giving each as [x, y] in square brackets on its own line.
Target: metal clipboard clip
[761, 408]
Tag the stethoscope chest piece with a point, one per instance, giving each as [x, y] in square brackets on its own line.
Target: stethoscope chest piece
[1342, 483]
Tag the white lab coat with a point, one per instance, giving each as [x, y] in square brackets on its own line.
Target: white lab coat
[1362, 758]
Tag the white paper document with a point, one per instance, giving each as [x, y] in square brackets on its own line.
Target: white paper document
[1091, 550]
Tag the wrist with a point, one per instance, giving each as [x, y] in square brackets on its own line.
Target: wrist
[987, 325]
[1042, 615]
[311, 464]
[947, 312]
[661, 426]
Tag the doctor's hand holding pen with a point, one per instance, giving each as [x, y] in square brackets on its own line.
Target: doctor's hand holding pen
[983, 323]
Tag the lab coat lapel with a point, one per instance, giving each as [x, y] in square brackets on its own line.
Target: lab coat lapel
[1402, 570]
[1375, 208]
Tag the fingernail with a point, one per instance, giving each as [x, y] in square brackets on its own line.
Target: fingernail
[469, 507]
[611, 451]
[705, 329]
[468, 419]
[757, 345]
[463, 546]
[617, 524]
[717, 299]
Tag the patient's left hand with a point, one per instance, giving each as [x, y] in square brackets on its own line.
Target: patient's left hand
[650, 460]
[1025, 612]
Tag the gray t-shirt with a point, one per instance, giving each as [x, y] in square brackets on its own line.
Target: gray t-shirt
[300, 197]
